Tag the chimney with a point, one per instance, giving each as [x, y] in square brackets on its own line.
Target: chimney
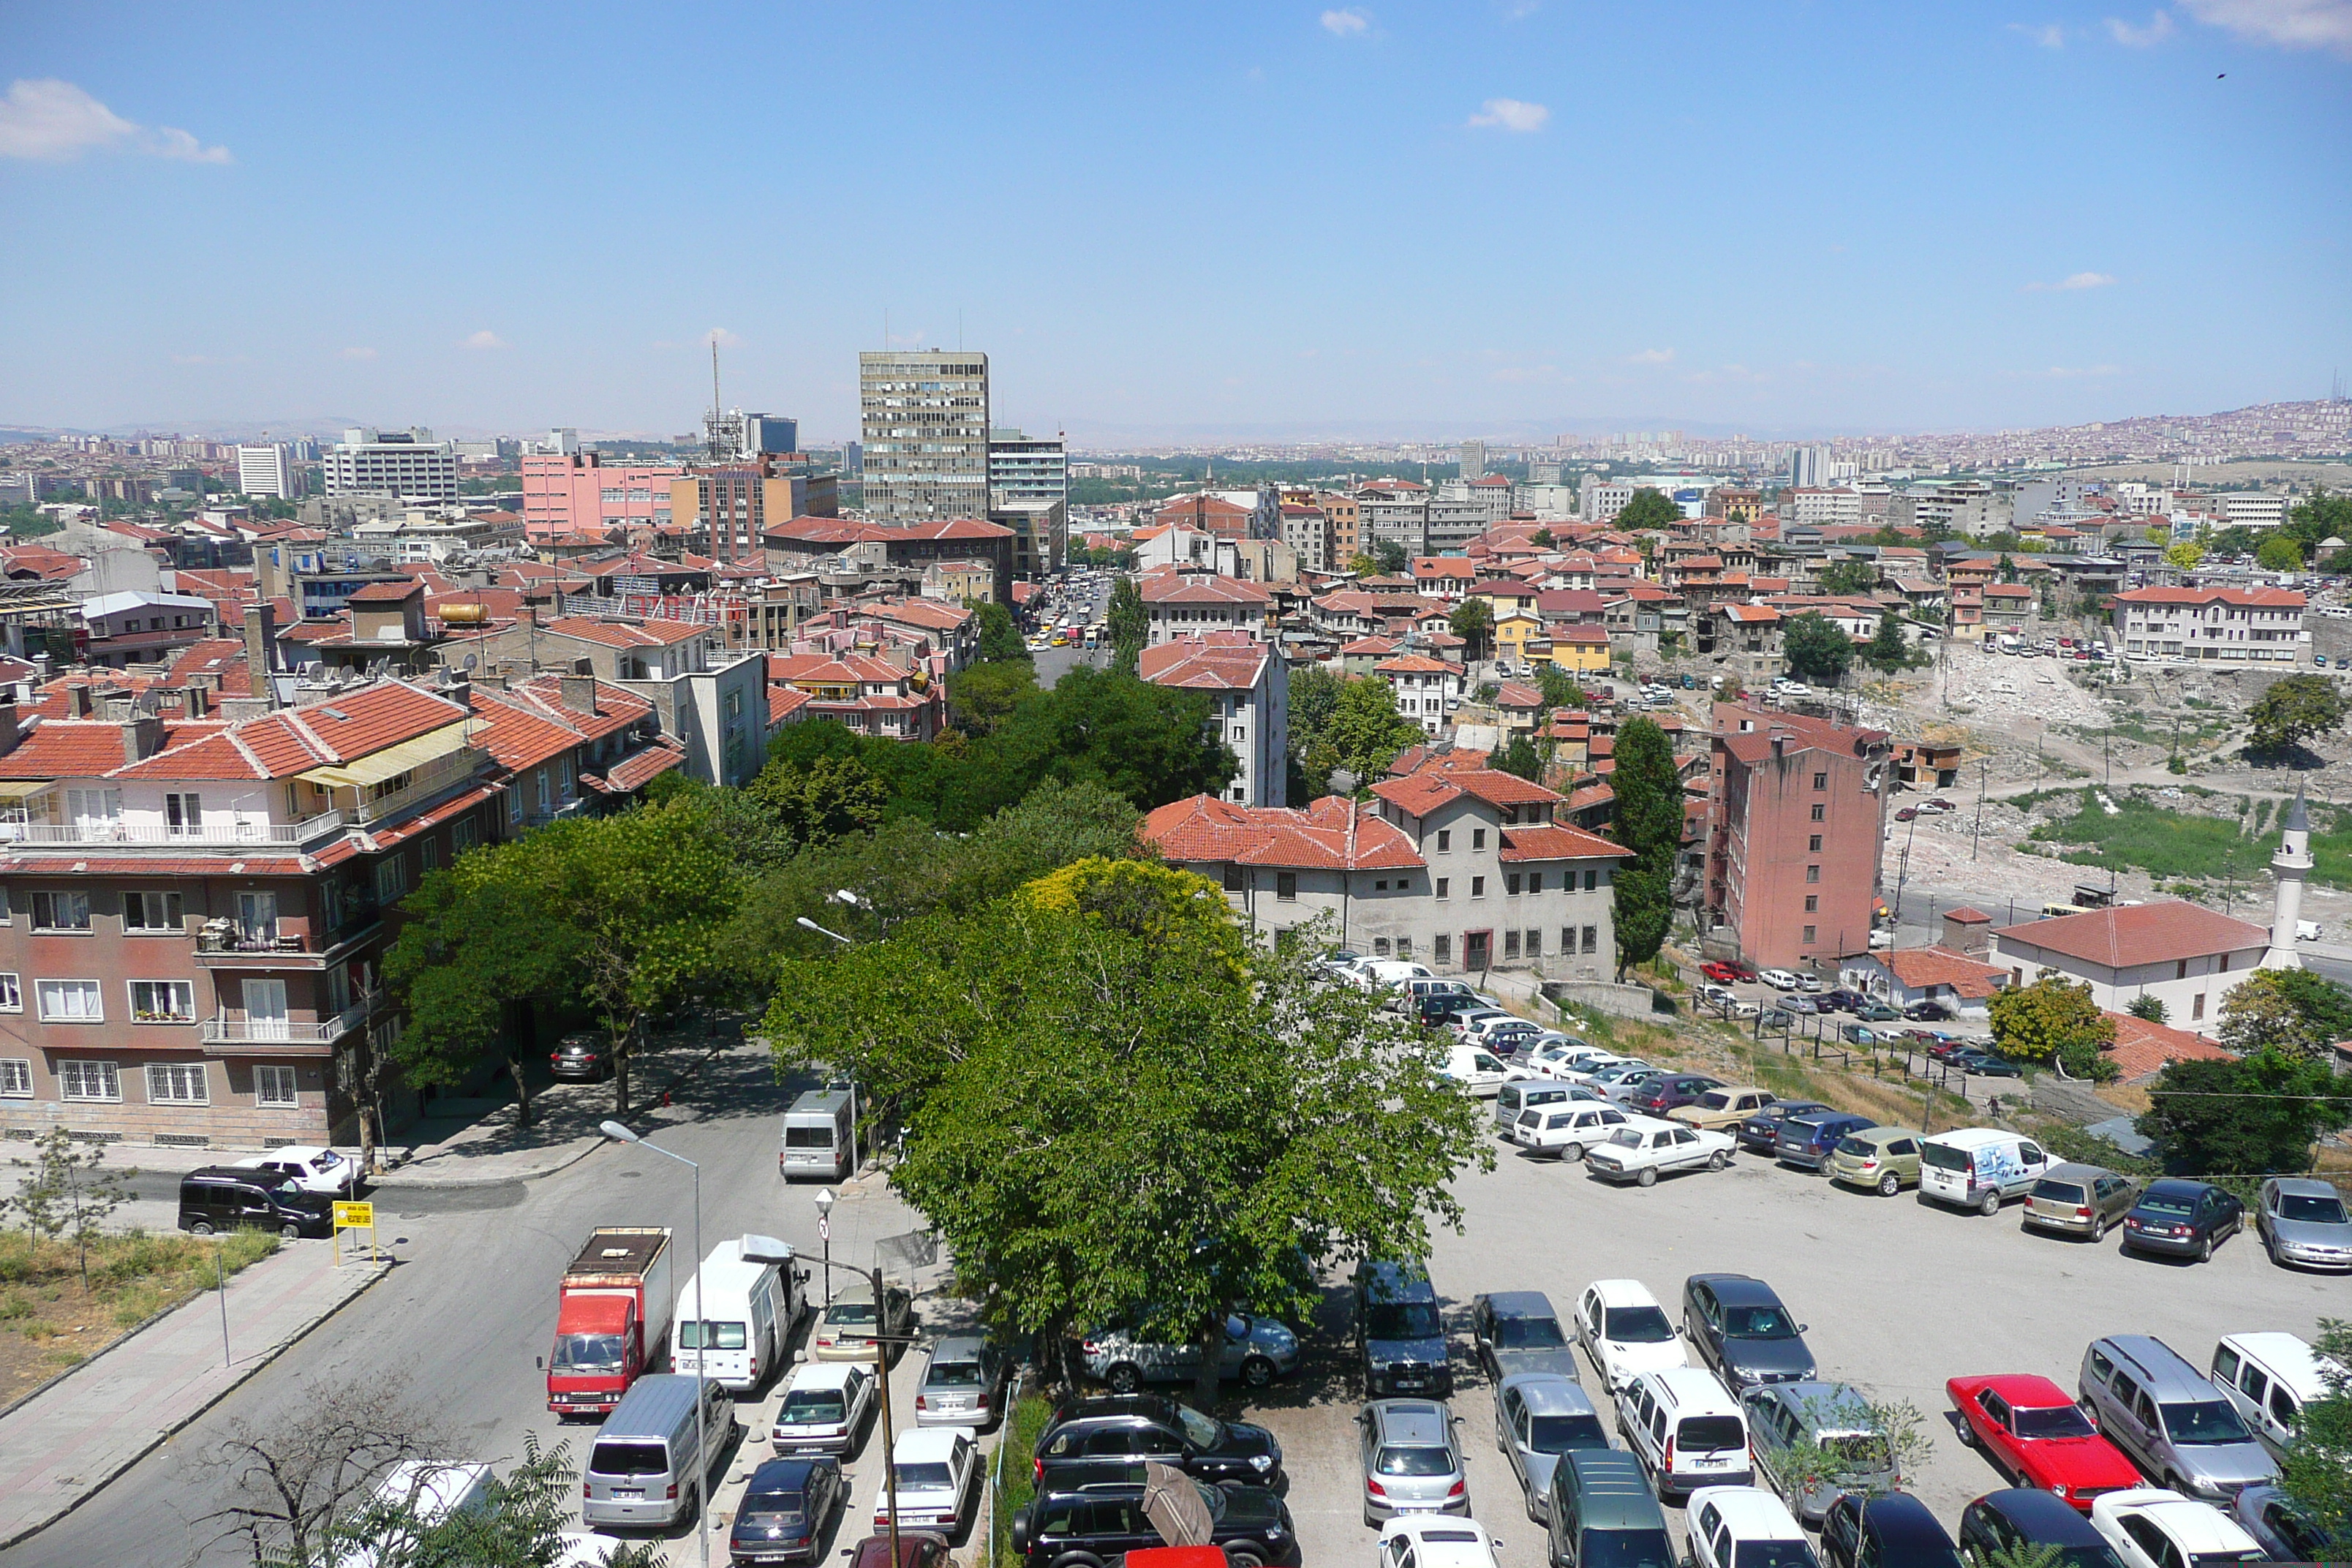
[1779, 744]
[579, 693]
[8, 732]
[77, 702]
[141, 738]
[261, 650]
[198, 701]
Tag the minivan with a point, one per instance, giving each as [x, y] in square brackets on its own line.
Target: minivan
[820, 1135]
[1521, 1094]
[1602, 1514]
[421, 1494]
[2270, 1377]
[1400, 1336]
[224, 1197]
[1828, 1417]
[1686, 1429]
[1979, 1168]
[2167, 1418]
[740, 1333]
[641, 1467]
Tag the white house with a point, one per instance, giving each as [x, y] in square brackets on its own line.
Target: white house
[2188, 957]
[1181, 604]
[1248, 688]
[1427, 690]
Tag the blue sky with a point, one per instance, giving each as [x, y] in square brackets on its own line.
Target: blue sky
[1499, 216]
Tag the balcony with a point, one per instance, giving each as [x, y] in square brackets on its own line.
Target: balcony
[118, 834]
[265, 1032]
[427, 780]
[223, 945]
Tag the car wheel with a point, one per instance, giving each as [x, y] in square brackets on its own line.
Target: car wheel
[1258, 1372]
[1125, 1377]
[2098, 1228]
[1990, 1205]
[1245, 1557]
[1718, 1160]
[290, 1232]
[200, 1228]
[2205, 1253]
[1967, 1434]
[1649, 1176]
[1889, 1184]
[1571, 1152]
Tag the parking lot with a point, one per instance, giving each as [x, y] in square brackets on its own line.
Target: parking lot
[1898, 1297]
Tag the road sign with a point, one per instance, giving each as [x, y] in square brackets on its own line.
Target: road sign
[355, 1216]
[823, 1229]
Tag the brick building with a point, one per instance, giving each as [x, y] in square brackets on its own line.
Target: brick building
[1796, 817]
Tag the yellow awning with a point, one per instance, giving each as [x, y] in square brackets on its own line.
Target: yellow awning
[393, 760]
[24, 789]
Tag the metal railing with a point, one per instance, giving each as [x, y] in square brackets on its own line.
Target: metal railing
[165, 837]
[283, 1031]
[427, 780]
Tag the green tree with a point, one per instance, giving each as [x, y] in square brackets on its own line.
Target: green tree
[2292, 710]
[2293, 1011]
[521, 1521]
[2185, 555]
[1474, 622]
[2326, 515]
[2007, 568]
[1649, 509]
[2053, 1020]
[824, 800]
[1559, 687]
[999, 637]
[1898, 1448]
[1886, 649]
[1128, 621]
[2317, 1471]
[1103, 1123]
[981, 695]
[69, 1193]
[1649, 824]
[1520, 757]
[1366, 731]
[1364, 565]
[1314, 697]
[2243, 1116]
[2150, 1007]
[1392, 558]
[2235, 540]
[1541, 539]
[1849, 574]
[1149, 744]
[1817, 648]
[2279, 552]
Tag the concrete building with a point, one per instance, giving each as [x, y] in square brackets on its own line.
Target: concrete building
[1796, 815]
[130, 627]
[1248, 688]
[565, 491]
[728, 506]
[1605, 498]
[1427, 690]
[923, 432]
[408, 464]
[1182, 603]
[2188, 957]
[2213, 625]
[1307, 532]
[1029, 492]
[269, 470]
[1472, 461]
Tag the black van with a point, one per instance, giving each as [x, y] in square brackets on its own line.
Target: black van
[230, 1197]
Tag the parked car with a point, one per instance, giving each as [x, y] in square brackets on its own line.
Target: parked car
[1538, 1416]
[1862, 1035]
[1511, 1040]
[1411, 1459]
[1882, 1532]
[1520, 1095]
[785, 1511]
[1098, 1439]
[1602, 1514]
[1885, 1158]
[2152, 1527]
[1980, 1167]
[2079, 1200]
[2169, 1419]
[1778, 979]
[1786, 1417]
[1739, 1327]
[848, 1328]
[1929, 1012]
[2186, 1219]
[1841, 1000]
[1723, 1107]
[937, 1472]
[1629, 1087]
[917, 1549]
[1587, 1065]
[2038, 1437]
[963, 1382]
[1809, 983]
[2303, 1223]
[1806, 1141]
[1745, 1527]
[311, 1169]
[1877, 1012]
[1104, 1522]
[1906, 814]
[1978, 1062]
[1760, 1133]
[1516, 1332]
[1399, 1338]
[1644, 1150]
[580, 1059]
[1672, 1092]
[1468, 1021]
[2270, 1377]
[1625, 1333]
[1421, 1540]
[227, 1197]
[2285, 1532]
[1475, 1068]
[1801, 1005]
[1567, 1130]
[1256, 1351]
[826, 1405]
[1715, 995]
[1686, 1430]
[2015, 1521]
[1609, 1075]
[1719, 972]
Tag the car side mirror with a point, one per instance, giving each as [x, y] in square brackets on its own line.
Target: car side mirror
[542, 1364]
[1805, 1327]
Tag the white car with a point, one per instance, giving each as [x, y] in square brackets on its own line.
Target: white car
[1625, 1333]
[1724, 1521]
[1715, 995]
[937, 1468]
[825, 1406]
[1811, 983]
[1780, 979]
[313, 1170]
[1477, 1069]
[1566, 1129]
[1581, 1066]
[2150, 1527]
[1469, 1022]
[1434, 1541]
[1483, 1025]
[1646, 1148]
[1550, 1054]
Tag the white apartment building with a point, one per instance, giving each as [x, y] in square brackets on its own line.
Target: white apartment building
[1605, 498]
[409, 463]
[2217, 625]
[1427, 690]
[1181, 604]
[1816, 508]
[2252, 508]
[1248, 688]
[267, 472]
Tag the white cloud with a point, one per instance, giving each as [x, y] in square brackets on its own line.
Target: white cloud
[1346, 24]
[1651, 356]
[2070, 283]
[722, 337]
[486, 339]
[1519, 10]
[2049, 35]
[2289, 24]
[1512, 115]
[48, 121]
[357, 351]
[2158, 28]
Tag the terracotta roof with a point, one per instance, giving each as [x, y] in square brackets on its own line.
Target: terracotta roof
[223, 656]
[456, 805]
[2243, 599]
[1367, 646]
[1333, 834]
[1425, 791]
[2138, 933]
[386, 593]
[1224, 666]
[349, 726]
[641, 768]
[784, 701]
[1414, 664]
[1556, 842]
[1968, 916]
[629, 634]
[1920, 967]
[2142, 1048]
[1166, 587]
[1516, 694]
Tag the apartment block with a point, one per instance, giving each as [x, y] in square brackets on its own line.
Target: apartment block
[1029, 492]
[1796, 816]
[2213, 625]
[1248, 688]
[409, 463]
[267, 471]
[923, 429]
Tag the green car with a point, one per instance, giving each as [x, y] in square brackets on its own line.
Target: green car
[1886, 1157]
[1876, 1013]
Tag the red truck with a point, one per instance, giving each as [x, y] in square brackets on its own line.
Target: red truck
[612, 1318]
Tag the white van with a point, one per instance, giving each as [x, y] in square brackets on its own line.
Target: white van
[1685, 1429]
[2270, 1377]
[426, 1492]
[737, 1315]
[1387, 974]
[820, 1135]
[1980, 1167]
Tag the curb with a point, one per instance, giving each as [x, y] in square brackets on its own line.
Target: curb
[162, 1435]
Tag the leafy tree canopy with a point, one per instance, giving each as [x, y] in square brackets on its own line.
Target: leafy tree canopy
[1649, 822]
[1648, 508]
[2243, 1116]
[1366, 731]
[2279, 552]
[1128, 621]
[999, 637]
[2293, 1011]
[1849, 574]
[1559, 687]
[1520, 757]
[2292, 710]
[1474, 622]
[1818, 650]
[2053, 1020]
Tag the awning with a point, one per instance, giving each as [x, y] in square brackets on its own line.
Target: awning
[24, 789]
[393, 760]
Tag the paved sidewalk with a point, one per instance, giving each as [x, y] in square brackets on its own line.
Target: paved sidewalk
[62, 1445]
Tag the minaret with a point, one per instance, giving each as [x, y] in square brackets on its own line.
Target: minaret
[2290, 866]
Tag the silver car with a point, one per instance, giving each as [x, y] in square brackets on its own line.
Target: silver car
[1538, 1416]
[1411, 1459]
[1827, 1416]
[1256, 1351]
[2303, 1223]
[962, 1384]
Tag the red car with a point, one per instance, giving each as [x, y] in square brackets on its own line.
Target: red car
[1720, 973]
[2027, 1427]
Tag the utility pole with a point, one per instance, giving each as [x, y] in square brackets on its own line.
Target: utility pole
[1984, 766]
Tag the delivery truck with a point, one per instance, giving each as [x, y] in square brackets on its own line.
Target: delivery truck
[612, 1318]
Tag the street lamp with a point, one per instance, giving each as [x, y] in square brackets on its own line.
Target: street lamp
[808, 925]
[824, 1234]
[621, 1134]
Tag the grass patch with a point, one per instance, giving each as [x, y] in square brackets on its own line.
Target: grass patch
[1018, 1485]
[132, 1276]
[2172, 844]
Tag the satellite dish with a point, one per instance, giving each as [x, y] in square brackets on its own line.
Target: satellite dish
[469, 662]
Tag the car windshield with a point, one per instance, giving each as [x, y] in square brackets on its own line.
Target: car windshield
[326, 1160]
[1199, 1430]
[1560, 1434]
[1415, 1462]
[1773, 1555]
[1403, 1320]
[2204, 1421]
[1638, 1326]
[579, 1355]
[931, 1475]
[1767, 1323]
[1861, 1452]
[628, 1459]
[767, 1510]
[694, 1336]
[1530, 1334]
[2054, 1421]
[953, 1374]
[1710, 1434]
[1627, 1549]
[850, 1313]
[2311, 1210]
[2168, 1204]
[813, 1407]
[2201, 1559]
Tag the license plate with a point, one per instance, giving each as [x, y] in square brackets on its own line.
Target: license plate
[1410, 1383]
[627, 1495]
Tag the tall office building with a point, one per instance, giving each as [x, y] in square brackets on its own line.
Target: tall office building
[1029, 492]
[1474, 460]
[408, 464]
[1808, 466]
[923, 423]
[267, 472]
[769, 433]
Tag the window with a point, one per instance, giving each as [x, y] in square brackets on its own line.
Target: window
[1593, 938]
[88, 1081]
[1510, 944]
[2196, 1006]
[463, 835]
[2180, 969]
[1813, 844]
[392, 877]
[428, 854]
[1535, 881]
[514, 805]
[60, 911]
[1477, 838]
[70, 1002]
[1445, 838]
[1820, 780]
[1478, 886]
[1379, 947]
[1444, 949]
[163, 1002]
[273, 1085]
[151, 912]
[183, 815]
[1442, 884]
[4, 899]
[16, 1079]
[1813, 873]
[257, 916]
[12, 998]
[1404, 947]
[177, 1083]
[1535, 941]
[1511, 883]
[1286, 885]
[1813, 903]
[94, 808]
[1821, 812]
[1592, 880]
[1808, 936]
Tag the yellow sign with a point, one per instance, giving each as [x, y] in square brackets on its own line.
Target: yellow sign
[355, 1216]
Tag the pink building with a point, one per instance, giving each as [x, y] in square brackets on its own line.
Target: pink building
[561, 492]
[1796, 819]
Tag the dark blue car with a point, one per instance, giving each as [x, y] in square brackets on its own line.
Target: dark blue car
[785, 1510]
[1807, 1141]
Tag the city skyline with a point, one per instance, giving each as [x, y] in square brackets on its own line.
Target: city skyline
[1311, 222]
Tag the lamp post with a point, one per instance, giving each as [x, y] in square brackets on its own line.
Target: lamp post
[825, 1235]
[807, 924]
[621, 1134]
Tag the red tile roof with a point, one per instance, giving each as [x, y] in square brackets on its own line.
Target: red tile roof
[1333, 834]
[629, 634]
[2137, 934]
[1556, 842]
[1415, 664]
[641, 768]
[1170, 587]
[1917, 968]
[2143, 1048]
[2238, 599]
[1226, 666]
[386, 593]
[1434, 786]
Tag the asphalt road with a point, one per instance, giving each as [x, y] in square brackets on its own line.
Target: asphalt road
[471, 1306]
